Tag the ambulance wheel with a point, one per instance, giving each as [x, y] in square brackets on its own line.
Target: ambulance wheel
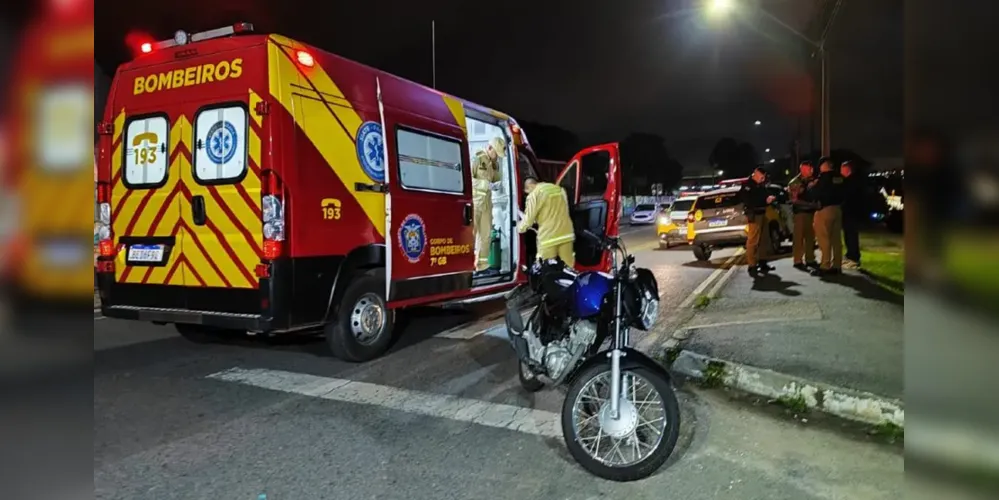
[201, 334]
[362, 330]
[702, 252]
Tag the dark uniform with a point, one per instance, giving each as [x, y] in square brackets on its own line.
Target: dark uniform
[853, 215]
[754, 199]
[803, 207]
[828, 220]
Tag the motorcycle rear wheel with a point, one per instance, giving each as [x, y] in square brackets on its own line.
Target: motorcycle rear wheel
[661, 423]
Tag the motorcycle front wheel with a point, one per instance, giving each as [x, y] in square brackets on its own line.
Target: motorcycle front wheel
[634, 445]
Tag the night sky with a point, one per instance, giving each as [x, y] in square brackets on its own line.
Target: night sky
[598, 68]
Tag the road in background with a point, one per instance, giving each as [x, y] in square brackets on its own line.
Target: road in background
[435, 418]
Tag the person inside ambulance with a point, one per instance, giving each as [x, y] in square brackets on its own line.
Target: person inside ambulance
[485, 173]
[548, 206]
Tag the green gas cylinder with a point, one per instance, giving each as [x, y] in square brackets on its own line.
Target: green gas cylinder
[495, 250]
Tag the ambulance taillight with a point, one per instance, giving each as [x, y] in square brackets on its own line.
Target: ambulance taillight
[105, 243]
[272, 214]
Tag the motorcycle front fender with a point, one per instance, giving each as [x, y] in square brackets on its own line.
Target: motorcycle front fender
[631, 358]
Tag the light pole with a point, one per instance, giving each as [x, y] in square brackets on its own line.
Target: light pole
[718, 8]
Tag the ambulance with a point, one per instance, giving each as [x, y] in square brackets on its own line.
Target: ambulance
[46, 254]
[258, 184]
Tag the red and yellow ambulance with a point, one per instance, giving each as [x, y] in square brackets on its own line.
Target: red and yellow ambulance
[260, 184]
[45, 250]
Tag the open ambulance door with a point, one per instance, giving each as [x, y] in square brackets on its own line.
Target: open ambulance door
[592, 181]
[429, 241]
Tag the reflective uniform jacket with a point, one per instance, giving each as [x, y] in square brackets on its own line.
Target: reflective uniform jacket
[485, 171]
[548, 205]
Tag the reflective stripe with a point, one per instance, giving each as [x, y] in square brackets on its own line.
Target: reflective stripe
[558, 240]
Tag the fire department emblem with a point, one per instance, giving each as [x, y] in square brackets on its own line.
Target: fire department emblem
[413, 238]
[370, 150]
[220, 143]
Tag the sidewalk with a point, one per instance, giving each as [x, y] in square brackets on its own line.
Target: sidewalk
[839, 334]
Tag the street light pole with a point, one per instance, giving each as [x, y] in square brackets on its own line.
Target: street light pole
[820, 51]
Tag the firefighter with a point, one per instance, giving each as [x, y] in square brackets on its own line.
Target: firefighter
[485, 172]
[804, 209]
[548, 206]
[755, 199]
[828, 220]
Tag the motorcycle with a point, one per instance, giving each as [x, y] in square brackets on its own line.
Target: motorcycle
[620, 417]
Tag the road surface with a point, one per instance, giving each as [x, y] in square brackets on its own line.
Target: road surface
[438, 418]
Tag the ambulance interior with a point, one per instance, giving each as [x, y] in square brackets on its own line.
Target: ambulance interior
[502, 232]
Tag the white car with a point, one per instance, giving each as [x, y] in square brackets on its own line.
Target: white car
[644, 214]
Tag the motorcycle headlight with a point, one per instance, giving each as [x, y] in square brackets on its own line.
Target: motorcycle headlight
[650, 309]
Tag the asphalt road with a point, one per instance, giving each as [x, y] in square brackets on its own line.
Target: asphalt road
[439, 417]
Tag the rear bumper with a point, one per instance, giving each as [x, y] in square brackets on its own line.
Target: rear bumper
[733, 236]
[235, 321]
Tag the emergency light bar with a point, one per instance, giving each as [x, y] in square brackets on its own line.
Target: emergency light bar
[184, 38]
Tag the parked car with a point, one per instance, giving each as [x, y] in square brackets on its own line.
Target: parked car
[717, 220]
[672, 224]
[644, 214]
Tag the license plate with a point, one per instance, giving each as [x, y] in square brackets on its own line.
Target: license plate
[145, 253]
[64, 254]
[718, 223]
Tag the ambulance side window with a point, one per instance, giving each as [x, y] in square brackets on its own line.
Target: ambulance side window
[429, 162]
[568, 182]
[220, 144]
[145, 152]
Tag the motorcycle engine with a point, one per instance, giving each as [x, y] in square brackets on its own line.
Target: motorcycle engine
[562, 354]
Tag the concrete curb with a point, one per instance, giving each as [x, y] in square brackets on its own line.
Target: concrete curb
[841, 402]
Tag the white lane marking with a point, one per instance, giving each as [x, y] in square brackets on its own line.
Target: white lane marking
[704, 284]
[500, 416]
[722, 281]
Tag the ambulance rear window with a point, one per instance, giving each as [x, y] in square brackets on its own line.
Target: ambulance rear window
[220, 142]
[145, 150]
[63, 127]
[429, 163]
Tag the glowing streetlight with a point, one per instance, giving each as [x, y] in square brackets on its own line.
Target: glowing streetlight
[720, 7]
[721, 173]
[772, 160]
[767, 150]
[757, 123]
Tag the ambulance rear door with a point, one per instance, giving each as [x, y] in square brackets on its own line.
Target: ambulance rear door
[592, 181]
[430, 250]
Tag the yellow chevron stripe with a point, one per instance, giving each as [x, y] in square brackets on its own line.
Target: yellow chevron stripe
[254, 99]
[321, 125]
[457, 110]
[119, 125]
[180, 133]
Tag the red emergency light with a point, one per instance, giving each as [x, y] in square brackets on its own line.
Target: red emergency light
[181, 37]
[146, 48]
[304, 58]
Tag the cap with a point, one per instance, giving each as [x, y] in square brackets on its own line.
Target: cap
[499, 145]
[824, 159]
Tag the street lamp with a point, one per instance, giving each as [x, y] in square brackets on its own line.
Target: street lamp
[721, 173]
[767, 150]
[772, 160]
[718, 8]
[757, 123]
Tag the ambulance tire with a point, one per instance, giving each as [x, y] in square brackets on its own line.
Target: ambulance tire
[702, 252]
[365, 290]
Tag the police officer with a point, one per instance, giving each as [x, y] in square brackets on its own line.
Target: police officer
[853, 214]
[828, 220]
[485, 172]
[755, 199]
[804, 209]
[548, 206]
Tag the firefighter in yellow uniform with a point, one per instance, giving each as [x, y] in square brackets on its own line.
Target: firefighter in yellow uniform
[485, 172]
[548, 206]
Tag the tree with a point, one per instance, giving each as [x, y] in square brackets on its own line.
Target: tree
[645, 161]
[736, 159]
[550, 142]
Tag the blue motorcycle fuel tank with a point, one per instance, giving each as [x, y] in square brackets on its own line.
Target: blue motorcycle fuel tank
[589, 291]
